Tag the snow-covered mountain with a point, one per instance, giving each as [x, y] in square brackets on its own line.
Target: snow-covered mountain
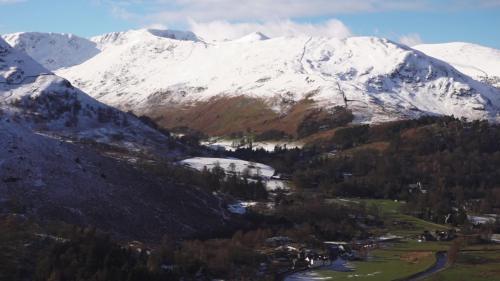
[255, 36]
[53, 50]
[51, 166]
[378, 80]
[44, 102]
[481, 63]
[121, 38]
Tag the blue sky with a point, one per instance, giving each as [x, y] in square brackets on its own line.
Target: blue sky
[412, 22]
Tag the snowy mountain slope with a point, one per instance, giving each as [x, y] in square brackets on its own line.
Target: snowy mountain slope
[377, 79]
[55, 178]
[48, 103]
[481, 63]
[61, 181]
[53, 50]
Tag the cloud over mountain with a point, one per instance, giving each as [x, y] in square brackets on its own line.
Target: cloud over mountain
[222, 30]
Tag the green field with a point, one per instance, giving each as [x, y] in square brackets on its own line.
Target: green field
[392, 263]
[400, 259]
[407, 257]
[477, 265]
[391, 211]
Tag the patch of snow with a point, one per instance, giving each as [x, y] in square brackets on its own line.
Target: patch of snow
[495, 238]
[236, 209]
[477, 220]
[256, 170]
[273, 185]
[388, 237]
[240, 166]
[240, 207]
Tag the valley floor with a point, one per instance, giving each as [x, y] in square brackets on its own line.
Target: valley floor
[410, 259]
[327, 209]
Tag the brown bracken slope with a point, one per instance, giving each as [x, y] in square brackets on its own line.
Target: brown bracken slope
[236, 115]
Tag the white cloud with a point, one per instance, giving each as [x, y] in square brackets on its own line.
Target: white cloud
[219, 19]
[157, 26]
[269, 10]
[220, 30]
[411, 40]
[180, 11]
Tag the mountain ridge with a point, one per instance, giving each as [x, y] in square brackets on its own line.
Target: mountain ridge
[65, 49]
[377, 79]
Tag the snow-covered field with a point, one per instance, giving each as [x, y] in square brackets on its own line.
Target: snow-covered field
[238, 166]
[484, 219]
[230, 165]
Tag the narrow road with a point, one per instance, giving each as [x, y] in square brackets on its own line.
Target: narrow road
[441, 261]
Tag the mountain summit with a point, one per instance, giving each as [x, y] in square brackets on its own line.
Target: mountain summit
[53, 50]
[255, 36]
